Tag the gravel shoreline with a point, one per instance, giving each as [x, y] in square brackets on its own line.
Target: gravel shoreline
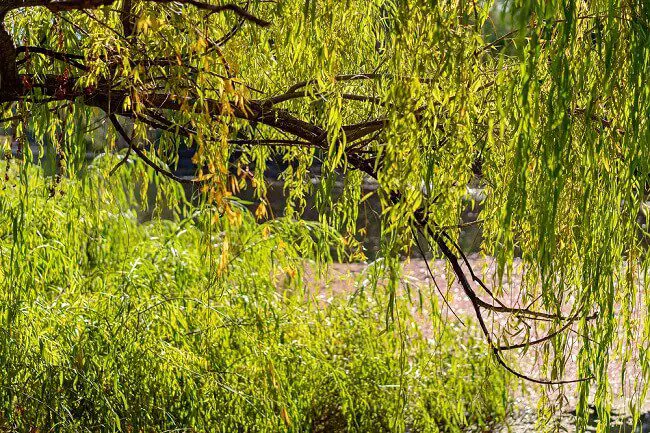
[343, 279]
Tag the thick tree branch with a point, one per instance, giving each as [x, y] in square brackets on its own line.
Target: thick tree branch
[126, 17]
[71, 59]
[68, 5]
[243, 13]
[8, 68]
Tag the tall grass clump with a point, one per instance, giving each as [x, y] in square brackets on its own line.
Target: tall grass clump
[207, 323]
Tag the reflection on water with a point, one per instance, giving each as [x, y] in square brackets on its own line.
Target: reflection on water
[369, 212]
[470, 235]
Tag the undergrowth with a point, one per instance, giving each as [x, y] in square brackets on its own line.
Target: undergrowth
[208, 323]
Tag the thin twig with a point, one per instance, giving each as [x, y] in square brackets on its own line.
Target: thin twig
[146, 159]
[433, 278]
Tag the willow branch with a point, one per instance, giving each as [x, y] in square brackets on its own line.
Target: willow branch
[469, 292]
[302, 94]
[69, 5]
[243, 13]
[71, 59]
[362, 76]
[126, 17]
[118, 127]
[433, 277]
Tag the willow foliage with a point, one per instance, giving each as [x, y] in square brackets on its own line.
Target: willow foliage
[113, 324]
[549, 115]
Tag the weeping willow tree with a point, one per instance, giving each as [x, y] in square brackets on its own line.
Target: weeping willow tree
[548, 117]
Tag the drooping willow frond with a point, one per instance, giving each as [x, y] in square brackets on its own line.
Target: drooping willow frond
[543, 105]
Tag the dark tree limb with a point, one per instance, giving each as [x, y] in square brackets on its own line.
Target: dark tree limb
[8, 67]
[118, 127]
[127, 19]
[70, 59]
[242, 12]
[476, 304]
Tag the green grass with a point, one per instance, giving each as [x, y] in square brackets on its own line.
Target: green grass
[111, 324]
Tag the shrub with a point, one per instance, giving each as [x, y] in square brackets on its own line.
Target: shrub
[208, 324]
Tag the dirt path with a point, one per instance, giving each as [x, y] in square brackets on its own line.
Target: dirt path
[343, 279]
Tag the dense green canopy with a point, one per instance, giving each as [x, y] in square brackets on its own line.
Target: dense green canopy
[544, 105]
